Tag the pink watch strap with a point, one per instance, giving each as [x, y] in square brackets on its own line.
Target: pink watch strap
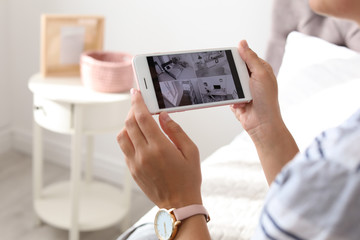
[191, 210]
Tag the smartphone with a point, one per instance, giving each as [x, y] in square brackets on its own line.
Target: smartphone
[179, 81]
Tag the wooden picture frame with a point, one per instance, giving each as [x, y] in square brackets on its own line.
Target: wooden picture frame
[64, 38]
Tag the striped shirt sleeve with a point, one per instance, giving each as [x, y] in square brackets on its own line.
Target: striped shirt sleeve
[317, 195]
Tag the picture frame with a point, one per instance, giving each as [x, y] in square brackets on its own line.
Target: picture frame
[64, 38]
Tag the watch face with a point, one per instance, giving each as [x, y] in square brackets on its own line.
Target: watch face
[164, 224]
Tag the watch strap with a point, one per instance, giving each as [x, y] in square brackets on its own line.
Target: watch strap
[191, 210]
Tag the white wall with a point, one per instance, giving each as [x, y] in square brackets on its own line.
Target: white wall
[137, 26]
[5, 114]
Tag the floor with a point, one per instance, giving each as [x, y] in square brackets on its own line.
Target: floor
[17, 219]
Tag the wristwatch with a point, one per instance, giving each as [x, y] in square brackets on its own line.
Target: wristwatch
[167, 221]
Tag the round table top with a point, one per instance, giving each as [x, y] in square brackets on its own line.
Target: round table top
[70, 90]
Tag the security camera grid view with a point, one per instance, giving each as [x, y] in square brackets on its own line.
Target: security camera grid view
[194, 78]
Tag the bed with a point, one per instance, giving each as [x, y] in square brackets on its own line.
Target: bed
[318, 67]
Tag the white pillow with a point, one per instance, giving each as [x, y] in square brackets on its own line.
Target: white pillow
[319, 85]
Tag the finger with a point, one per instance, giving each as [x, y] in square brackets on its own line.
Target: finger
[145, 121]
[125, 143]
[134, 132]
[177, 135]
[233, 109]
[239, 105]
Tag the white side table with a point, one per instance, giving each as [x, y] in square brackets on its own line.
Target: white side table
[63, 105]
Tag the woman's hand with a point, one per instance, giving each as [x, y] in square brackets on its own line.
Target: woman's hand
[264, 108]
[261, 118]
[167, 168]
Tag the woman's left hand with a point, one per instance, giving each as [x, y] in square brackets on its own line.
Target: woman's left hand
[166, 168]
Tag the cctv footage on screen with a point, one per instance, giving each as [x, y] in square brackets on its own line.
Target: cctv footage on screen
[194, 78]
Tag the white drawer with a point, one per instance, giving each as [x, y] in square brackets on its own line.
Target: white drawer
[52, 115]
[59, 116]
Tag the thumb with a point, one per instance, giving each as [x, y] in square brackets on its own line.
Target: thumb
[177, 135]
[251, 59]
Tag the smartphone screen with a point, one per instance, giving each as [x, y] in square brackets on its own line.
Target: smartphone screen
[194, 78]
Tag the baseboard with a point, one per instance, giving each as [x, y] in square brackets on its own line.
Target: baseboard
[5, 139]
[106, 168]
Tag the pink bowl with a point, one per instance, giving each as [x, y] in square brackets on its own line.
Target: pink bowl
[109, 72]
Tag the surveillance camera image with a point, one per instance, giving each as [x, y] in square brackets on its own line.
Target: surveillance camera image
[194, 78]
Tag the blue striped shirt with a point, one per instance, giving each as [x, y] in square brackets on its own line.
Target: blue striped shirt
[317, 195]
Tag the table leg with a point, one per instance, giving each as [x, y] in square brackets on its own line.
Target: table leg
[89, 158]
[75, 177]
[37, 165]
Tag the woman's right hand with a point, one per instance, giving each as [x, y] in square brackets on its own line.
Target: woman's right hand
[264, 109]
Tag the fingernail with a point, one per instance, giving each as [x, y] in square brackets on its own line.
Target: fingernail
[132, 91]
[244, 44]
